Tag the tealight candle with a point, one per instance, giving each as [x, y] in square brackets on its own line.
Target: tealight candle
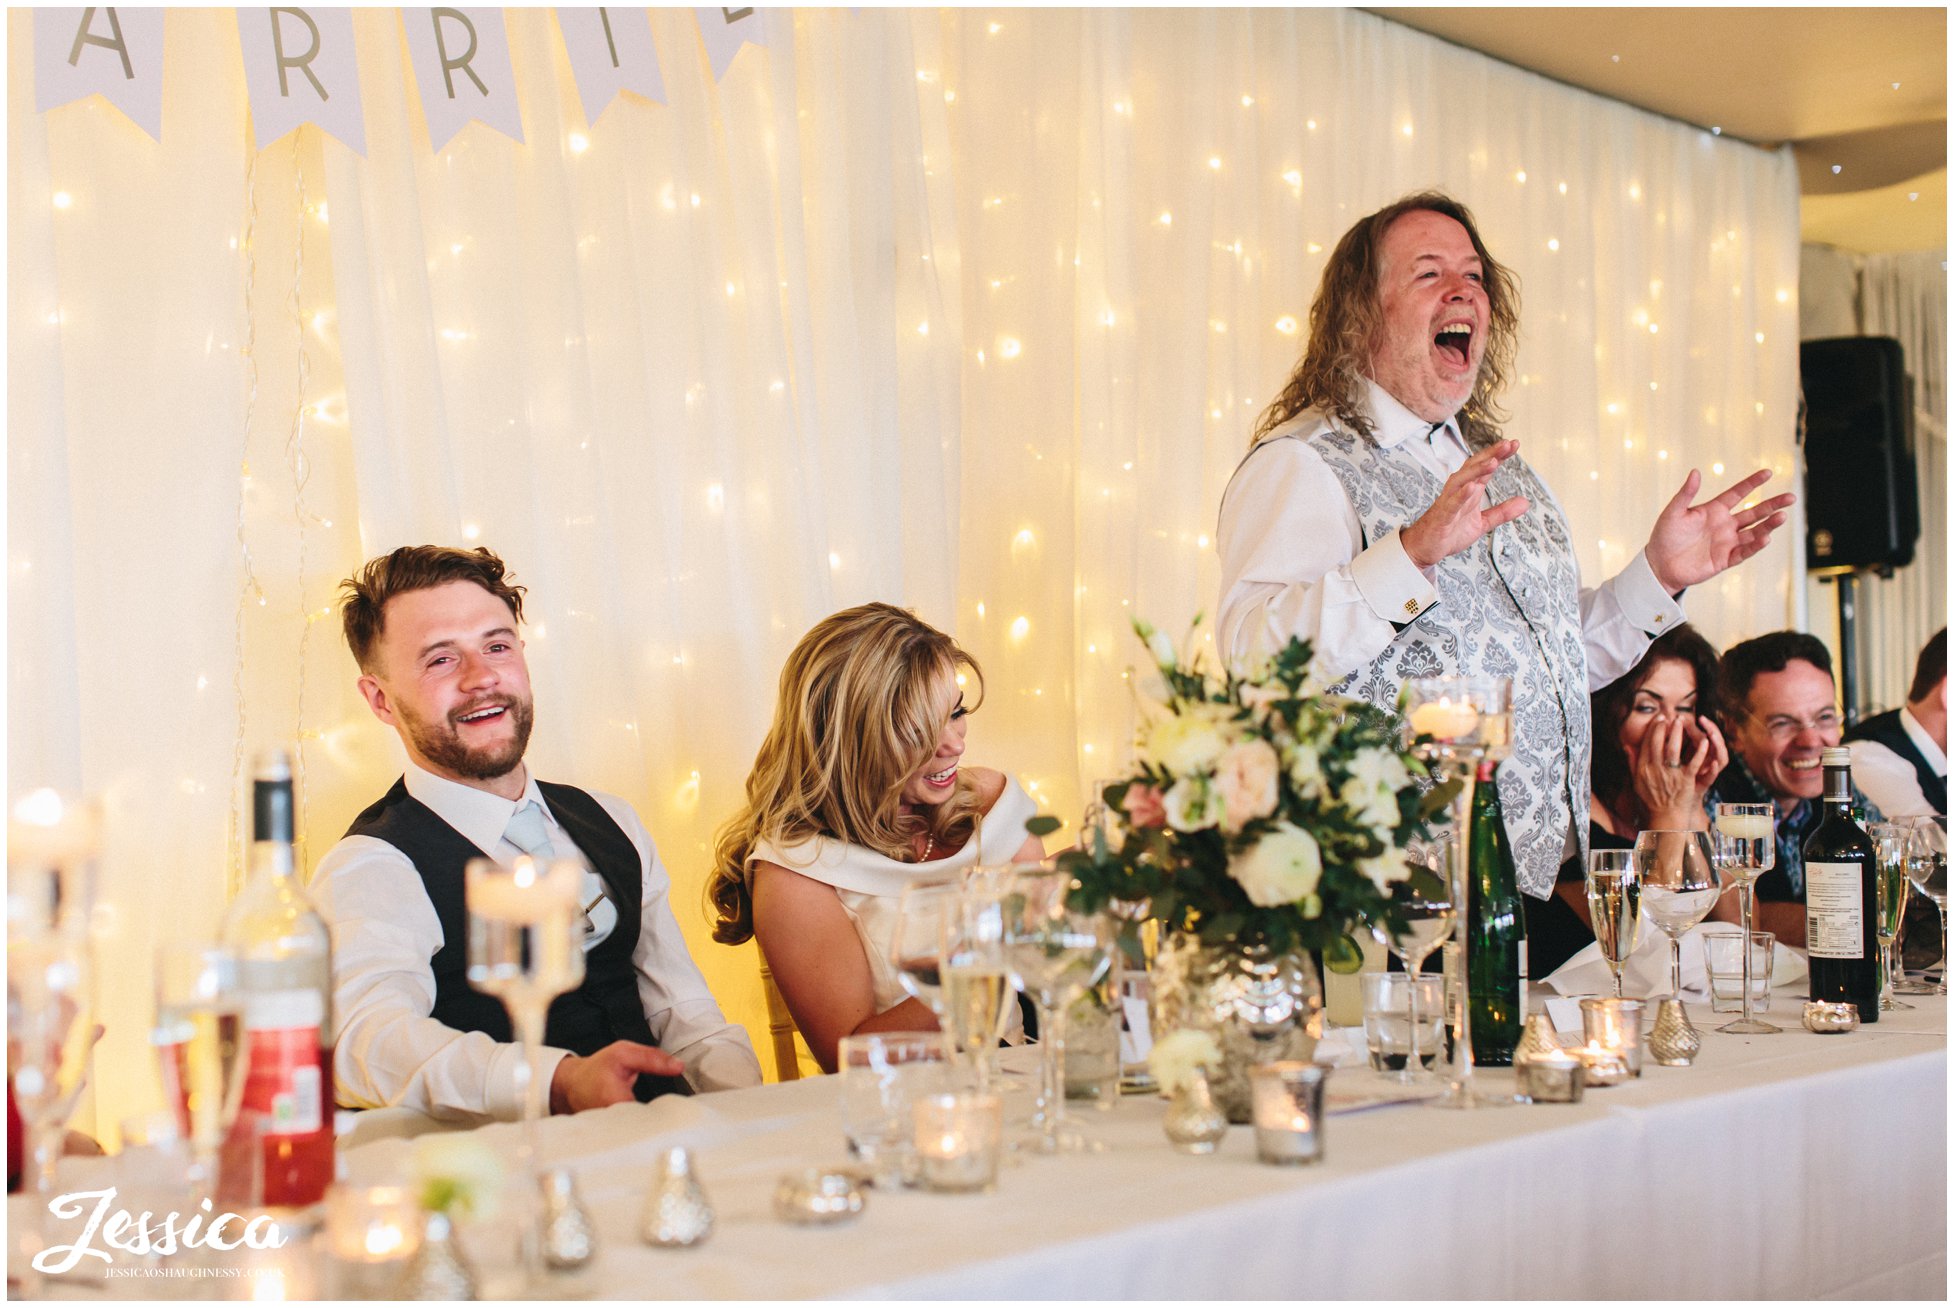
[1745, 826]
[1288, 1111]
[371, 1232]
[1552, 1076]
[1615, 1024]
[1444, 719]
[530, 893]
[958, 1139]
[1602, 1066]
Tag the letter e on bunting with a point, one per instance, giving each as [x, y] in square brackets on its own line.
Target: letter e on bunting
[611, 50]
[113, 52]
[462, 69]
[726, 30]
[299, 65]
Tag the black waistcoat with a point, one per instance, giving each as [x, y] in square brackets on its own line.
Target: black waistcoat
[1886, 729]
[606, 1006]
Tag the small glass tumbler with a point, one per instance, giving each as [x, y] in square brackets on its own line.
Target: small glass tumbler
[1288, 1111]
[959, 1137]
[882, 1076]
[1726, 967]
[1615, 1024]
[1398, 1048]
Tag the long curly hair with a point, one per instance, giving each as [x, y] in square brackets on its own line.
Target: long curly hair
[1613, 784]
[856, 718]
[1346, 323]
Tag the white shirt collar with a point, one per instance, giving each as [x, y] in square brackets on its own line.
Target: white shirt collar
[477, 814]
[1392, 423]
[1936, 756]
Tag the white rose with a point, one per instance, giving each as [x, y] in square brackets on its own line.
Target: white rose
[1245, 778]
[1192, 805]
[1387, 869]
[458, 1173]
[1282, 868]
[1187, 742]
[1380, 768]
[1174, 1058]
[1306, 771]
[1370, 805]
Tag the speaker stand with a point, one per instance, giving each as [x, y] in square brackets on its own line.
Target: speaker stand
[1848, 583]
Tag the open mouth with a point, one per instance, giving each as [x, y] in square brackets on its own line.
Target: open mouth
[1801, 764]
[1454, 341]
[487, 713]
[941, 780]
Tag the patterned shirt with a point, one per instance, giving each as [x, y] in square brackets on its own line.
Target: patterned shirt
[1786, 881]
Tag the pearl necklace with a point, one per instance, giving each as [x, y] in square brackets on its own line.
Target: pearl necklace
[929, 846]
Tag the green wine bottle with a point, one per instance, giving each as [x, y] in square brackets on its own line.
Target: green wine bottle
[1841, 898]
[1496, 932]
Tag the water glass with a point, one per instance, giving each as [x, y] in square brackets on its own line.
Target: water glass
[1388, 1027]
[1726, 966]
[883, 1075]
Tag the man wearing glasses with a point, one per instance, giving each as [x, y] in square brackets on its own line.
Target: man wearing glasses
[1781, 711]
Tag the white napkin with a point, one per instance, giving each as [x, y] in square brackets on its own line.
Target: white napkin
[1647, 969]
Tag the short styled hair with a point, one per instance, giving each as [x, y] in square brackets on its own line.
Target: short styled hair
[1931, 670]
[363, 607]
[1746, 661]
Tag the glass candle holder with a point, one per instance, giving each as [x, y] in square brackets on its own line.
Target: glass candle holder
[1288, 1111]
[958, 1139]
[1552, 1077]
[371, 1233]
[1615, 1024]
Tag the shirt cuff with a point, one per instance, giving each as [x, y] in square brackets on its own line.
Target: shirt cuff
[1643, 599]
[1396, 589]
[504, 1101]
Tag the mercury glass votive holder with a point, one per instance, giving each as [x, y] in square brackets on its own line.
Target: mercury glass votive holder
[371, 1232]
[1615, 1024]
[1552, 1076]
[959, 1138]
[1287, 1110]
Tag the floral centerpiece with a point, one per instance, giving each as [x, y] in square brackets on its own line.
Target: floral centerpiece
[1264, 819]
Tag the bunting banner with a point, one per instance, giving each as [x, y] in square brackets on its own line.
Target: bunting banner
[299, 66]
[726, 31]
[117, 53]
[610, 50]
[461, 65]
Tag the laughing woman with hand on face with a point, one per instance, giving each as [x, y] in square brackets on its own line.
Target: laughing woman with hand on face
[858, 791]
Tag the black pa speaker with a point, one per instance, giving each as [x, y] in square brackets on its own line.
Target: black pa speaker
[1862, 506]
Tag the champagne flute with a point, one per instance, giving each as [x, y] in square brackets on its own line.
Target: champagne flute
[200, 1049]
[1746, 848]
[1680, 885]
[1055, 955]
[1455, 724]
[1890, 862]
[1429, 916]
[1927, 870]
[49, 1034]
[525, 947]
[1615, 905]
[976, 979]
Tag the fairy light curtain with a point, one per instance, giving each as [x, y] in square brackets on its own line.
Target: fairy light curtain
[968, 311]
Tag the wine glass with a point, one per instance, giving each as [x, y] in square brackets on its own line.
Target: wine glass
[1055, 955]
[1890, 866]
[1615, 905]
[1746, 848]
[525, 947]
[916, 939]
[49, 1034]
[200, 1050]
[1680, 885]
[1927, 870]
[1429, 917]
[1458, 725]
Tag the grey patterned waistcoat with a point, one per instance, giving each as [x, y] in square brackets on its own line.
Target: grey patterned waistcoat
[1509, 606]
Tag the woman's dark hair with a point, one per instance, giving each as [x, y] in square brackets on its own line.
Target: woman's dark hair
[1611, 703]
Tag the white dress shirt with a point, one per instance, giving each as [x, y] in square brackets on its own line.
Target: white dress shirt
[1294, 562]
[392, 1053]
[1889, 781]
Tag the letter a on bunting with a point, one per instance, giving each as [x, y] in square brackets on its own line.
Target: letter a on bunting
[112, 52]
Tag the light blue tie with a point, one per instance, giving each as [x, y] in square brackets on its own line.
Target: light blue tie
[529, 832]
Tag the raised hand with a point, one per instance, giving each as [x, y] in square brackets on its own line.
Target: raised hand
[1692, 543]
[607, 1077]
[1460, 516]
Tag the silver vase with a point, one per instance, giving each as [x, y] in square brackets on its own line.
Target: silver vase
[1260, 1006]
[1674, 1041]
[569, 1235]
[438, 1270]
[1194, 1125]
[677, 1214]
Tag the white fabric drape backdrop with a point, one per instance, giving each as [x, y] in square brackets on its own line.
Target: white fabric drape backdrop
[966, 310]
[1903, 296]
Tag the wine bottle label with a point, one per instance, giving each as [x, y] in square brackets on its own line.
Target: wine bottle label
[1835, 910]
[285, 1084]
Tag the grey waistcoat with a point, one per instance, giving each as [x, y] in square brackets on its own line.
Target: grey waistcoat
[1509, 606]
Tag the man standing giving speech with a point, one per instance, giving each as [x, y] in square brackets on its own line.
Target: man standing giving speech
[434, 631]
[1381, 515]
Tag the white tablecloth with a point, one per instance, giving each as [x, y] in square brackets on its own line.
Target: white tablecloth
[1787, 1166]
